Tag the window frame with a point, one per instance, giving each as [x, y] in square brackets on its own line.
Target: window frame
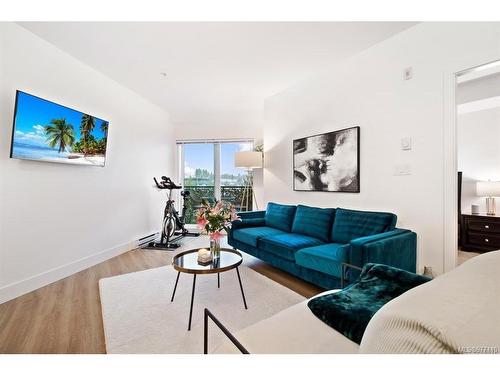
[217, 161]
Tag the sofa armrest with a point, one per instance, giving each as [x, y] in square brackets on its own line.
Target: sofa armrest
[248, 219]
[396, 248]
[252, 215]
[247, 223]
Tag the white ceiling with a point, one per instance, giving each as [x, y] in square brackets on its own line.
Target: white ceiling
[212, 67]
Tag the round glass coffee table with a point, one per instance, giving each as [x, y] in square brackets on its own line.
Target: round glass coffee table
[187, 262]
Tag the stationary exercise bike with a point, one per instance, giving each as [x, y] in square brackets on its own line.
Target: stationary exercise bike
[173, 225]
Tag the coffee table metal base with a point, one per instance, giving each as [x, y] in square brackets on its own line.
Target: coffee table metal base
[194, 287]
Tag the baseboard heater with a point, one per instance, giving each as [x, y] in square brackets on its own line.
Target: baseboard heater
[144, 241]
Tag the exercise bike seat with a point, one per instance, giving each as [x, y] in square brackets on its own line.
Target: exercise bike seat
[166, 183]
[174, 186]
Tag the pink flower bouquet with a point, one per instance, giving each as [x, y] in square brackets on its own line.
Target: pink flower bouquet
[214, 220]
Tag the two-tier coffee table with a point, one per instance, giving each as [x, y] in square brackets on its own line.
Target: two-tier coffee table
[187, 262]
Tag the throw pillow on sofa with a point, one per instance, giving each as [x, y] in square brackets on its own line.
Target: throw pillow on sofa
[280, 216]
[313, 221]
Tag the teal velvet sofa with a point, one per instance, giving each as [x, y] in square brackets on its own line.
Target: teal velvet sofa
[312, 243]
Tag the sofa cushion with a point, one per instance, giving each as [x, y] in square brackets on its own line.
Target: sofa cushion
[285, 245]
[280, 216]
[350, 224]
[313, 221]
[324, 258]
[250, 236]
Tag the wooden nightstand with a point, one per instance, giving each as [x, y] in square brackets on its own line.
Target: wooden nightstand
[480, 232]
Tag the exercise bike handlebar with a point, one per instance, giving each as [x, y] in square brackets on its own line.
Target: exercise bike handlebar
[166, 183]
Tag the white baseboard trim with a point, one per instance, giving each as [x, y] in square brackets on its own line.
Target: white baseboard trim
[18, 288]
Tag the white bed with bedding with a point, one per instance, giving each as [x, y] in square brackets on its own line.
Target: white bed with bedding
[292, 331]
[458, 312]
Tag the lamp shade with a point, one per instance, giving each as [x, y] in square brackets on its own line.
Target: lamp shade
[488, 188]
[248, 159]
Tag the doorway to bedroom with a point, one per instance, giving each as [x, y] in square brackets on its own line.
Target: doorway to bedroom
[478, 160]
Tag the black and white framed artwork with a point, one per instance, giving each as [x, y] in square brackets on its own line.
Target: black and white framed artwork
[327, 162]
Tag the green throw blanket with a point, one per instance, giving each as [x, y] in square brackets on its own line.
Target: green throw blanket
[350, 310]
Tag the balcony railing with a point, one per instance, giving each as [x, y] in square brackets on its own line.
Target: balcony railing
[231, 194]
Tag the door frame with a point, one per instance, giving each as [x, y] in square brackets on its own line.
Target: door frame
[450, 183]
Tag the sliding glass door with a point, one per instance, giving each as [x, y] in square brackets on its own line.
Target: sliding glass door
[207, 171]
[233, 179]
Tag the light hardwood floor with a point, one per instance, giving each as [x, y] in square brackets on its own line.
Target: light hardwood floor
[464, 256]
[65, 316]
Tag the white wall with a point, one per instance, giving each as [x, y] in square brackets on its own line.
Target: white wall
[220, 124]
[368, 90]
[478, 145]
[56, 219]
[226, 125]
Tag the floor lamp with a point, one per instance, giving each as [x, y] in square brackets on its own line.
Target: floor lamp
[248, 160]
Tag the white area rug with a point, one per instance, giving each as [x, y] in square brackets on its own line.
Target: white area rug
[139, 317]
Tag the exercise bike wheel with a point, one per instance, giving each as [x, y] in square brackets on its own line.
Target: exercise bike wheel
[169, 226]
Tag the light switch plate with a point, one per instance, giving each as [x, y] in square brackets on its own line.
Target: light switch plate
[406, 143]
[408, 73]
[402, 170]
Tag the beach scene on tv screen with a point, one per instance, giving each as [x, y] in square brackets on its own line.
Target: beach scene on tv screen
[47, 131]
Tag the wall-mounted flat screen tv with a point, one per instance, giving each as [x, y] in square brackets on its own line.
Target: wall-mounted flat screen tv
[47, 131]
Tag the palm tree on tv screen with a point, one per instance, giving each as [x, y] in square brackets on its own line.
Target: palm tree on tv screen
[104, 128]
[86, 127]
[59, 134]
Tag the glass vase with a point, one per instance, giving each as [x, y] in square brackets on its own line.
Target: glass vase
[215, 248]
